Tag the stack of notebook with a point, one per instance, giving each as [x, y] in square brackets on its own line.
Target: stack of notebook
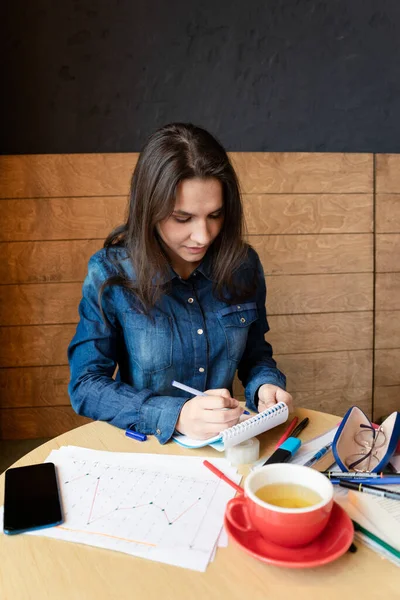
[376, 520]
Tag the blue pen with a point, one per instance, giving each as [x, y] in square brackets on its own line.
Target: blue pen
[135, 435]
[190, 390]
[318, 455]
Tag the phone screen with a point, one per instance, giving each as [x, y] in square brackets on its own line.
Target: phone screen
[31, 498]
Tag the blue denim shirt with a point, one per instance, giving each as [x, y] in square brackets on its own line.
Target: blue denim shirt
[192, 337]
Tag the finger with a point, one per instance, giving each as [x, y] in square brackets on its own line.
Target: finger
[262, 405]
[217, 402]
[213, 429]
[222, 417]
[207, 430]
[227, 425]
[219, 392]
[289, 402]
[204, 435]
[283, 396]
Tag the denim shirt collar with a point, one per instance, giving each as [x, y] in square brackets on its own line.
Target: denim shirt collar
[205, 268]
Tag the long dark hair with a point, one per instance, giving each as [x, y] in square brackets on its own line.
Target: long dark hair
[172, 154]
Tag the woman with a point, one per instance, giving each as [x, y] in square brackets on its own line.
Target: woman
[175, 294]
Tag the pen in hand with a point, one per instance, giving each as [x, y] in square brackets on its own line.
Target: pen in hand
[190, 390]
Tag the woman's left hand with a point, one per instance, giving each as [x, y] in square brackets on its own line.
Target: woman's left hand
[269, 394]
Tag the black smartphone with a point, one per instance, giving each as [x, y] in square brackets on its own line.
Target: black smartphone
[31, 498]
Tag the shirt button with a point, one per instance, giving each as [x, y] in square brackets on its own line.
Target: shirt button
[190, 300]
[201, 370]
[238, 307]
[158, 431]
[199, 331]
[242, 320]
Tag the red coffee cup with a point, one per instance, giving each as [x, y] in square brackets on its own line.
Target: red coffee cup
[289, 527]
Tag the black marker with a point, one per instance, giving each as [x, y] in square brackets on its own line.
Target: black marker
[284, 452]
[302, 425]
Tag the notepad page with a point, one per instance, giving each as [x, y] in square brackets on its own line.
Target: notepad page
[267, 419]
[247, 428]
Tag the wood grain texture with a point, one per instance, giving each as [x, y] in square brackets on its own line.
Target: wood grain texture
[95, 217]
[386, 400]
[34, 262]
[387, 252]
[387, 329]
[387, 291]
[30, 423]
[50, 175]
[312, 254]
[34, 386]
[60, 218]
[337, 401]
[312, 372]
[388, 213]
[387, 173]
[298, 172]
[35, 346]
[387, 370]
[39, 303]
[288, 294]
[292, 334]
[295, 214]
[327, 370]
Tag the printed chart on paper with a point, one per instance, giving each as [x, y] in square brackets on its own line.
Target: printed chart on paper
[158, 512]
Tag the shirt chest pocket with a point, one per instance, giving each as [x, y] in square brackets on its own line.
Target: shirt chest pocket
[149, 340]
[235, 321]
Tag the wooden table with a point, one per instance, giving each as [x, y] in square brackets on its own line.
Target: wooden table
[33, 567]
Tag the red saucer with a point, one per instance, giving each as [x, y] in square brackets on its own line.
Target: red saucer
[334, 541]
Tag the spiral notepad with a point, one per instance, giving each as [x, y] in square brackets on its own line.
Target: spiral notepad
[248, 428]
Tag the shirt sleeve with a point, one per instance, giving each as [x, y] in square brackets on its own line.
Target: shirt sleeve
[257, 365]
[93, 359]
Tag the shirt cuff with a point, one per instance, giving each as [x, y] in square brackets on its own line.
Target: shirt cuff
[160, 420]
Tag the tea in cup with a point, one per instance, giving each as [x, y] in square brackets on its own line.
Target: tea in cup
[289, 505]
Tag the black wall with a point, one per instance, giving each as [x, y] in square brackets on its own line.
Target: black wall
[262, 75]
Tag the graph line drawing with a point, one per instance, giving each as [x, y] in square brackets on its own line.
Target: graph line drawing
[166, 509]
[103, 506]
[170, 520]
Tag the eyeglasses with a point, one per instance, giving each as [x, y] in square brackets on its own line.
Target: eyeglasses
[370, 440]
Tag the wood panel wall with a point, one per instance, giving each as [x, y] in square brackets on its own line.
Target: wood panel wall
[387, 289]
[310, 217]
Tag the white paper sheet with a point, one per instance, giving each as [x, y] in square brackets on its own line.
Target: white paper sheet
[306, 451]
[164, 508]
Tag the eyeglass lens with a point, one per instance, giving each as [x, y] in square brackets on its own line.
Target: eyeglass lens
[370, 440]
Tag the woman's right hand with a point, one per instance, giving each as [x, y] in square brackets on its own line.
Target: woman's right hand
[203, 417]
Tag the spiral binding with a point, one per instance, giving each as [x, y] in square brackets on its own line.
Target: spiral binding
[251, 423]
